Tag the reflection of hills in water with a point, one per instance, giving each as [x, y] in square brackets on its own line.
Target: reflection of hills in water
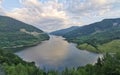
[57, 53]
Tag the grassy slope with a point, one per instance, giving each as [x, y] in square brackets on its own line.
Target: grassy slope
[112, 46]
[88, 47]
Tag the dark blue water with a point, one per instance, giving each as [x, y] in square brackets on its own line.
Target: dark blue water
[57, 54]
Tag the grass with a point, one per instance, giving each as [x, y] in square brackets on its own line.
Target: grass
[88, 47]
[113, 47]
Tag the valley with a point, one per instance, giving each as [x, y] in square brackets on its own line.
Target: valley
[59, 37]
[89, 50]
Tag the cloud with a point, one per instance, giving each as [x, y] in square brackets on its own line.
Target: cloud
[80, 10]
[50, 15]
[1, 1]
[90, 7]
[1, 9]
[51, 23]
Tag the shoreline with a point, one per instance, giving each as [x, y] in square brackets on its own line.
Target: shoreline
[19, 48]
[84, 49]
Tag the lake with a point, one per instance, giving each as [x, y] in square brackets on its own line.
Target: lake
[57, 54]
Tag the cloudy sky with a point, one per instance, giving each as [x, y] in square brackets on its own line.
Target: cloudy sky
[50, 15]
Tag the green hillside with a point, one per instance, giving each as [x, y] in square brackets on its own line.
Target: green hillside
[93, 28]
[97, 37]
[16, 34]
[98, 40]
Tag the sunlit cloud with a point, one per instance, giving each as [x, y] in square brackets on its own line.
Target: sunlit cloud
[50, 15]
[47, 16]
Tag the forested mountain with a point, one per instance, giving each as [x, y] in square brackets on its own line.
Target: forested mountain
[14, 34]
[64, 31]
[97, 37]
[94, 28]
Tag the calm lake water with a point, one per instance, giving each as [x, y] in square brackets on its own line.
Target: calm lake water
[57, 54]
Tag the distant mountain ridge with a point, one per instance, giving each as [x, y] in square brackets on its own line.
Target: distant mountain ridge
[14, 33]
[64, 31]
[93, 36]
[94, 28]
